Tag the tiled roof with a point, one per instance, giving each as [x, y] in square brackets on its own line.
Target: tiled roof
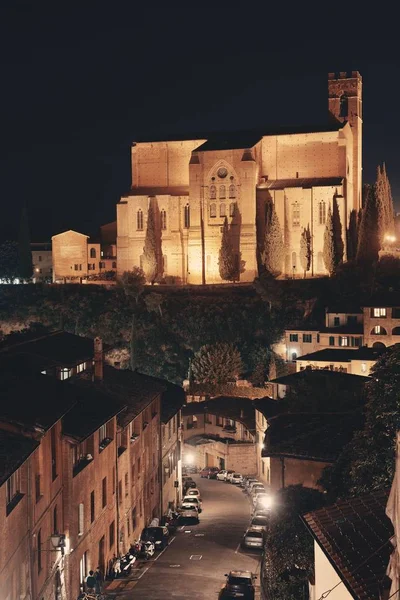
[57, 348]
[344, 308]
[267, 406]
[232, 407]
[355, 536]
[351, 329]
[34, 400]
[320, 376]
[383, 299]
[157, 191]
[305, 182]
[319, 437]
[343, 354]
[14, 450]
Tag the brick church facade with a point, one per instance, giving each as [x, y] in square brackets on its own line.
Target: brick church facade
[194, 184]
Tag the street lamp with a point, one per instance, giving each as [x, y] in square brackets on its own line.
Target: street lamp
[58, 542]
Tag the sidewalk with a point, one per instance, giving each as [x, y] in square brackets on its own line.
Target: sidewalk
[124, 584]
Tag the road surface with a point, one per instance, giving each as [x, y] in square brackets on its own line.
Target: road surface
[192, 567]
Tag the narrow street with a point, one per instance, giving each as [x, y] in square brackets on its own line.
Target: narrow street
[194, 564]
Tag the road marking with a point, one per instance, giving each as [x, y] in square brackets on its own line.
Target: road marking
[238, 548]
[162, 551]
[199, 535]
[196, 557]
[174, 566]
[145, 571]
[182, 527]
[188, 531]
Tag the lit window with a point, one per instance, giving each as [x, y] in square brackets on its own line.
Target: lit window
[379, 312]
[344, 341]
[296, 215]
[222, 191]
[213, 210]
[65, 374]
[102, 433]
[378, 330]
[81, 519]
[80, 368]
[232, 191]
[186, 217]
[322, 213]
[213, 192]
[139, 220]
[163, 218]
[232, 209]
[222, 210]
[13, 487]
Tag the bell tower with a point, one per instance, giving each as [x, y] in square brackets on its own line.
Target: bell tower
[345, 104]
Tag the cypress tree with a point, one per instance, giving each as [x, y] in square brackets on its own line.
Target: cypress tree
[337, 234]
[150, 258]
[384, 203]
[305, 250]
[273, 244]
[352, 236]
[329, 244]
[226, 260]
[368, 236]
[389, 211]
[25, 267]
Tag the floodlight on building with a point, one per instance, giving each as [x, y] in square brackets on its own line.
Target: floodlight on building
[390, 238]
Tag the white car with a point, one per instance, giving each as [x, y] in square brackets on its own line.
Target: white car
[194, 501]
[257, 488]
[229, 476]
[260, 498]
[193, 492]
[260, 522]
[222, 475]
[236, 478]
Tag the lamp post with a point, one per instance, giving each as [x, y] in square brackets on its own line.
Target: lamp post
[58, 542]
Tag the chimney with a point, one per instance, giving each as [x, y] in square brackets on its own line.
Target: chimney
[98, 359]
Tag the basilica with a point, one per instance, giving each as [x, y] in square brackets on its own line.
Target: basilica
[193, 185]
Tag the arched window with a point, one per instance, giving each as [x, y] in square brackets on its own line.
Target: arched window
[322, 213]
[344, 106]
[92, 253]
[222, 191]
[396, 331]
[163, 218]
[232, 191]
[378, 330]
[186, 217]
[213, 192]
[296, 215]
[222, 210]
[139, 220]
[114, 265]
[378, 345]
[213, 210]
[232, 209]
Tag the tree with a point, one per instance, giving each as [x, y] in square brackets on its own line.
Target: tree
[9, 261]
[153, 303]
[133, 283]
[150, 253]
[305, 250]
[384, 204]
[352, 236]
[216, 364]
[226, 262]
[329, 244]
[273, 252]
[368, 238]
[337, 234]
[367, 462]
[25, 267]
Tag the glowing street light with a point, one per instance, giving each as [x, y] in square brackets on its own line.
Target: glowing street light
[390, 238]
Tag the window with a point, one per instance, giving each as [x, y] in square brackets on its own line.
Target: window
[343, 341]
[134, 517]
[120, 491]
[222, 192]
[222, 210]
[307, 338]
[379, 312]
[378, 330]
[102, 432]
[38, 487]
[344, 106]
[232, 209]
[322, 213]
[82, 454]
[331, 340]
[53, 451]
[76, 267]
[317, 338]
[105, 435]
[113, 264]
[39, 550]
[55, 520]
[336, 321]
[126, 484]
[13, 486]
[232, 191]
[186, 216]
[163, 219]
[363, 367]
[295, 215]
[293, 337]
[92, 253]
[104, 492]
[81, 519]
[294, 355]
[139, 220]
[92, 507]
[65, 373]
[112, 534]
[213, 192]
[351, 320]
[40, 258]
[213, 210]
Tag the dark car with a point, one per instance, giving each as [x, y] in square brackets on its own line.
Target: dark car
[158, 535]
[209, 472]
[239, 584]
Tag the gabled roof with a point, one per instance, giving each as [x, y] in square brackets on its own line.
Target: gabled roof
[342, 354]
[355, 536]
[317, 437]
[267, 406]
[53, 349]
[14, 450]
[232, 407]
[305, 182]
[69, 231]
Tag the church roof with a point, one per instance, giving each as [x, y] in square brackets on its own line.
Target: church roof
[303, 182]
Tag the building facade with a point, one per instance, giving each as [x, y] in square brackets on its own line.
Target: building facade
[194, 185]
[42, 262]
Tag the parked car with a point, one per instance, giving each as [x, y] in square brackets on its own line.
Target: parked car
[249, 483]
[193, 500]
[256, 486]
[261, 511]
[209, 472]
[259, 521]
[188, 516]
[253, 538]
[260, 496]
[239, 584]
[158, 535]
[193, 492]
[221, 475]
[229, 476]
[236, 478]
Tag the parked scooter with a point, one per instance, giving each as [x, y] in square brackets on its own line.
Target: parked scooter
[126, 564]
[144, 549]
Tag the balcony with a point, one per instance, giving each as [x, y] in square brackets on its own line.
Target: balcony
[104, 443]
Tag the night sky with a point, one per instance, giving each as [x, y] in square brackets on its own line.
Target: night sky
[78, 85]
